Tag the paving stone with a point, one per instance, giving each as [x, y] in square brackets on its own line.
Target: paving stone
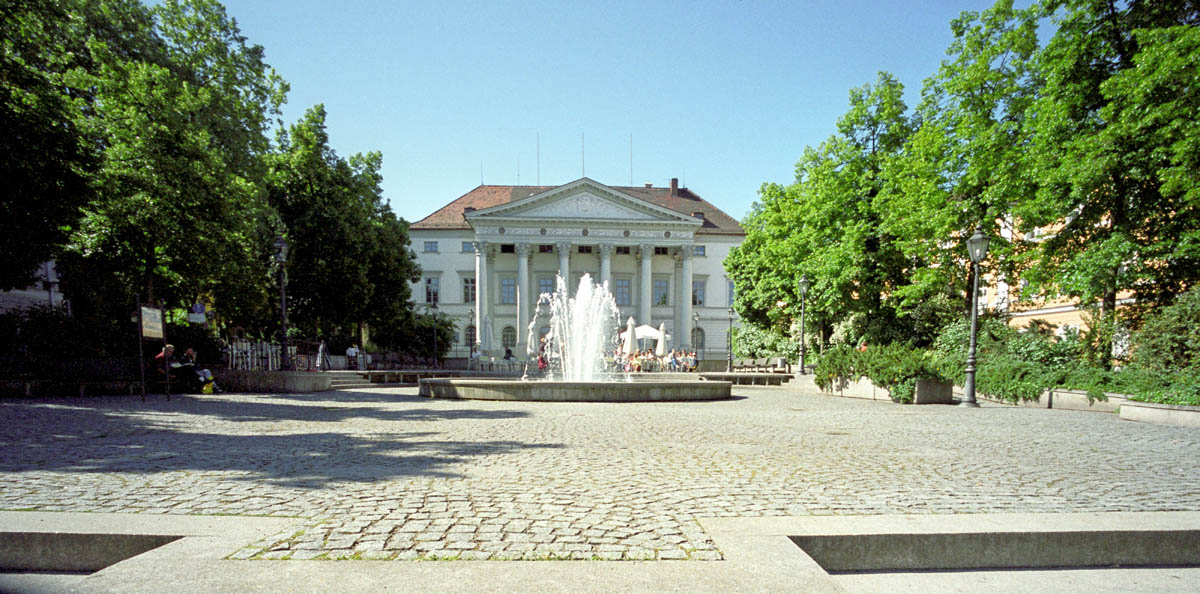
[600, 479]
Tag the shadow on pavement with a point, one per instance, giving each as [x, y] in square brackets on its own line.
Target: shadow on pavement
[187, 433]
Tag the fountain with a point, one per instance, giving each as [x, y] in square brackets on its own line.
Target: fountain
[581, 334]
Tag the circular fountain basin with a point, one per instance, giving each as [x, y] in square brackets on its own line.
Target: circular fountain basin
[649, 390]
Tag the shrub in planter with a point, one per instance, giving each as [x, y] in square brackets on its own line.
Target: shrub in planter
[894, 367]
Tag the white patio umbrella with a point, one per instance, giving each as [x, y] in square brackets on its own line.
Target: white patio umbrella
[661, 348]
[629, 346]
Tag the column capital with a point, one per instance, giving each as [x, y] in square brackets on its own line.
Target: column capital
[480, 246]
[606, 249]
[647, 249]
[685, 252]
[563, 246]
[523, 249]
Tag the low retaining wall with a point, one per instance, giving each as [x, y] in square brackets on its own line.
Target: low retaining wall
[927, 391]
[552, 391]
[1064, 400]
[1161, 414]
[272, 382]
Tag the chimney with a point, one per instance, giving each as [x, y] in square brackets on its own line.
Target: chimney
[649, 185]
[674, 186]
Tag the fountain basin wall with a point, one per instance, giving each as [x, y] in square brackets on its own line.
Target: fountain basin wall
[556, 391]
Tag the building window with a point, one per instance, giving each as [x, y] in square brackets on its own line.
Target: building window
[732, 293]
[469, 290]
[508, 248]
[508, 337]
[623, 250]
[469, 336]
[468, 246]
[698, 250]
[622, 293]
[431, 289]
[545, 286]
[431, 246]
[545, 249]
[662, 290]
[585, 249]
[698, 293]
[660, 251]
[697, 339]
[508, 291]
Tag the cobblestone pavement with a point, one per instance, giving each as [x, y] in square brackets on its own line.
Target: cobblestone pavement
[385, 474]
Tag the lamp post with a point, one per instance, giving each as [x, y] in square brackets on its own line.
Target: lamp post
[802, 285]
[471, 342]
[729, 343]
[281, 259]
[433, 310]
[977, 247]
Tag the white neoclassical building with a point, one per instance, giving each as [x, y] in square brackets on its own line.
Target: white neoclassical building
[487, 256]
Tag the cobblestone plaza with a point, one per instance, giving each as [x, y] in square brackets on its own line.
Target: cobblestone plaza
[385, 474]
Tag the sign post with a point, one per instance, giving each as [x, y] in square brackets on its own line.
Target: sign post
[151, 327]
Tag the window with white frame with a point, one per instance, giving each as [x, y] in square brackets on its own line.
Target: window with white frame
[662, 291]
[431, 289]
[732, 292]
[469, 336]
[468, 289]
[698, 293]
[698, 250]
[508, 337]
[431, 246]
[468, 246]
[545, 285]
[698, 339]
[621, 291]
[508, 291]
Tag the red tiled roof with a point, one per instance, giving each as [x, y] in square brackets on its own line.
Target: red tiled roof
[685, 203]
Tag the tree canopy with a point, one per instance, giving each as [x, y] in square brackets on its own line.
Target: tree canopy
[1089, 134]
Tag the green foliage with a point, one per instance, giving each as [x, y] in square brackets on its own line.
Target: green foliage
[1169, 340]
[44, 161]
[752, 342]
[894, 367]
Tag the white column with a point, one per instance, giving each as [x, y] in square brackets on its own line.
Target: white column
[525, 297]
[606, 264]
[685, 258]
[564, 263]
[481, 294]
[647, 255]
[677, 339]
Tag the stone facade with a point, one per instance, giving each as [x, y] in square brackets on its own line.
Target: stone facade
[487, 256]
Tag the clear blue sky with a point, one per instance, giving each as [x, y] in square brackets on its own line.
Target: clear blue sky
[724, 95]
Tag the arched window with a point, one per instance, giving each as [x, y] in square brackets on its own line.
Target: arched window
[469, 336]
[698, 339]
[508, 337]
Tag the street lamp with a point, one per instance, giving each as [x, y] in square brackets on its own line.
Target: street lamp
[281, 259]
[729, 343]
[977, 247]
[433, 311]
[802, 285]
[471, 342]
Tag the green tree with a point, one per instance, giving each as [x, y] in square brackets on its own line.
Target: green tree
[964, 165]
[826, 225]
[1114, 154]
[178, 106]
[43, 160]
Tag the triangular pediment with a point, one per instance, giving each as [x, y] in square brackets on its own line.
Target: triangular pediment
[584, 200]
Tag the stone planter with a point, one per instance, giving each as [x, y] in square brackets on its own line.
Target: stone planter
[1161, 414]
[927, 391]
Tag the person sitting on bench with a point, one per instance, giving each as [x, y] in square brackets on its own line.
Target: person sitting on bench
[186, 375]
